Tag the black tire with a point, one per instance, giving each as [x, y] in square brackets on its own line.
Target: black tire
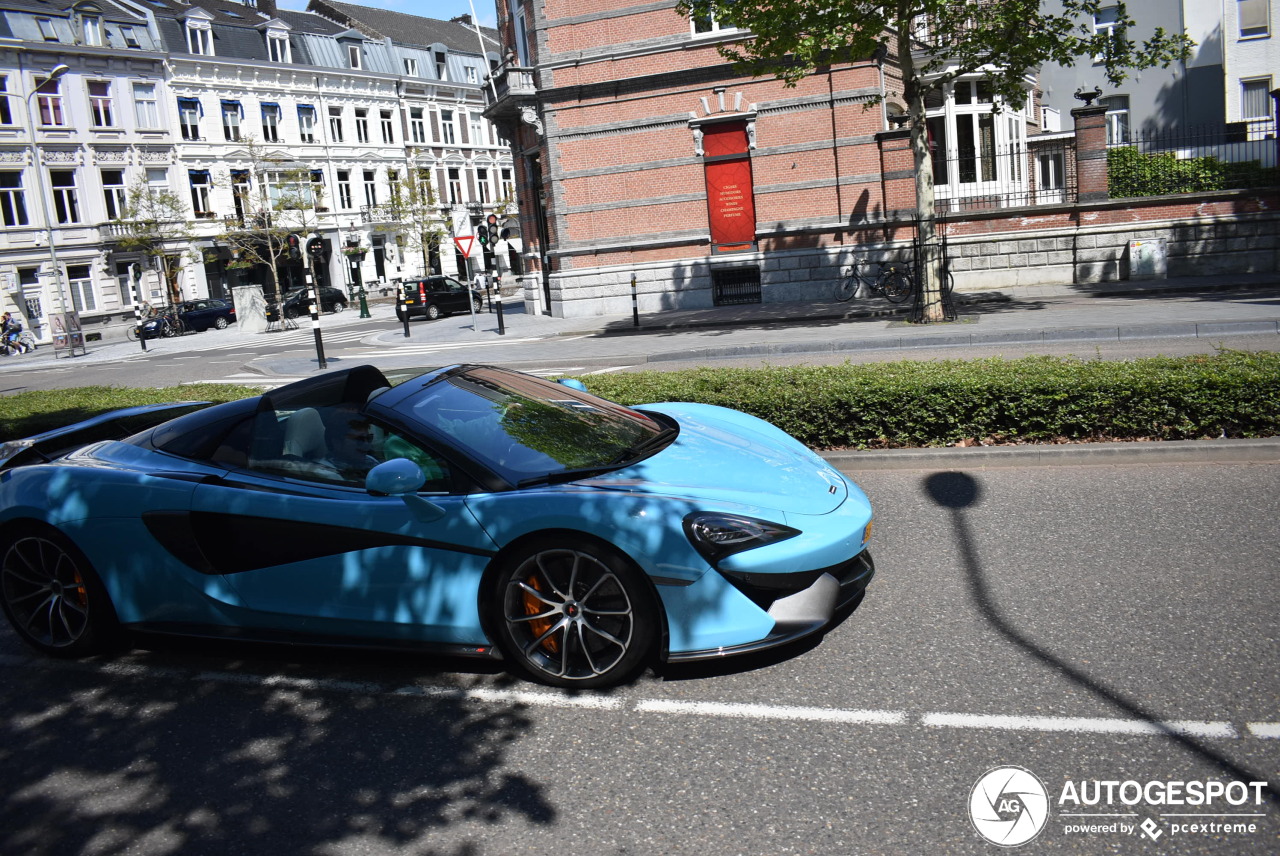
[477, 303]
[291, 314]
[338, 306]
[895, 284]
[131, 332]
[52, 596]
[222, 323]
[846, 288]
[168, 330]
[573, 614]
[951, 283]
[433, 312]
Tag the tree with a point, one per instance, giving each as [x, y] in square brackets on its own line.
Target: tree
[931, 43]
[417, 208]
[154, 223]
[275, 202]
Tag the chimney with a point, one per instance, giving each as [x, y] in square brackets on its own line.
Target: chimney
[465, 20]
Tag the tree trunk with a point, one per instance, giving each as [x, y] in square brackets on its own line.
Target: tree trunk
[929, 267]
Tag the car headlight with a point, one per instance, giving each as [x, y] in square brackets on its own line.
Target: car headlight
[716, 535]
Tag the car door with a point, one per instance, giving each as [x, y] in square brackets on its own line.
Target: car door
[309, 551]
[453, 295]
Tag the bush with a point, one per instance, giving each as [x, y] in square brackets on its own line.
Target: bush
[1035, 399]
[885, 405]
[34, 412]
[1133, 174]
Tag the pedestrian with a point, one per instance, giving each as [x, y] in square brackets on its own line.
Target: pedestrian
[11, 329]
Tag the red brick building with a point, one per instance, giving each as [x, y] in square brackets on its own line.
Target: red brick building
[643, 154]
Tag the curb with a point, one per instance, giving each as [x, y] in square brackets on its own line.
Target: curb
[1265, 450]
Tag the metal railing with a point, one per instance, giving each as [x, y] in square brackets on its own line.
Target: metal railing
[986, 178]
[1224, 157]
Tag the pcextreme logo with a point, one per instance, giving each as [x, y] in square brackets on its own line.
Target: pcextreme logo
[1010, 806]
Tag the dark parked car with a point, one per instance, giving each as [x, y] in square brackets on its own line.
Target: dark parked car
[435, 296]
[200, 315]
[296, 304]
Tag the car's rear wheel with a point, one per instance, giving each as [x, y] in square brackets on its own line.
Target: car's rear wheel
[433, 311]
[574, 615]
[221, 323]
[477, 304]
[339, 306]
[52, 596]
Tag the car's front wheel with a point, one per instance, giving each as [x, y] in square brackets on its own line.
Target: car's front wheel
[52, 596]
[574, 615]
[339, 306]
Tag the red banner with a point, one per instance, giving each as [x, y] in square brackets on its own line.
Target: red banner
[731, 204]
[731, 207]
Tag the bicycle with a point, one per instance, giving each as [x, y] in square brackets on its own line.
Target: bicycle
[894, 282]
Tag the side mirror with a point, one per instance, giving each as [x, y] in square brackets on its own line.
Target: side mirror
[403, 478]
[573, 383]
[397, 477]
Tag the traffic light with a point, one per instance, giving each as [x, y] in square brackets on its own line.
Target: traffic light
[294, 243]
[315, 246]
[135, 271]
[482, 235]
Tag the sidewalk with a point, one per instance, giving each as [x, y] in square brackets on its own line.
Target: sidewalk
[1205, 307]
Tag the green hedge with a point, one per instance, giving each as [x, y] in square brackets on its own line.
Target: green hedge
[885, 405]
[1035, 399]
[1132, 174]
[36, 411]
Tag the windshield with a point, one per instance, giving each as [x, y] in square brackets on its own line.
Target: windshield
[524, 427]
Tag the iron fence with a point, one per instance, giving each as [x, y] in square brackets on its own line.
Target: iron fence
[977, 175]
[1223, 157]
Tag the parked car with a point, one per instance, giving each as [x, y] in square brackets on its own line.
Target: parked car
[200, 315]
[468, 510]
[435, 296]
[296, 304]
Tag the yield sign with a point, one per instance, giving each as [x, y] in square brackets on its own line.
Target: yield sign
[464, 243]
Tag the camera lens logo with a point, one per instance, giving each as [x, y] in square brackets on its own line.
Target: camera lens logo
[1009, 806]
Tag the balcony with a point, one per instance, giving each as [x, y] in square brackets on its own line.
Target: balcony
[516, 98]
[373, 214]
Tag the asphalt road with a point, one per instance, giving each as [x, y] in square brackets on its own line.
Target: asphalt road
[1089, 624]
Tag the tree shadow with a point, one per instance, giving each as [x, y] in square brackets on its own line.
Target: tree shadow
[957, 491]
[137, 754]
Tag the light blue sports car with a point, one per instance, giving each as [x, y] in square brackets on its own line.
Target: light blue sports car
[470, 510]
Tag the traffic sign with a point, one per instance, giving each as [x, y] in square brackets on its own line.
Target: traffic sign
[464, 243]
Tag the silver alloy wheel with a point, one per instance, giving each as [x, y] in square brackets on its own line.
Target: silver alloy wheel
[569, 614]
[221, 323]
[45, 592]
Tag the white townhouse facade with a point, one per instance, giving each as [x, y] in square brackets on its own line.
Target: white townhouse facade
[215, 99]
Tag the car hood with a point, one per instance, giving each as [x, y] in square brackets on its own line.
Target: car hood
[722, 455]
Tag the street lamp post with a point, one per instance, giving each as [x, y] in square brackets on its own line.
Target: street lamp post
[57, 72]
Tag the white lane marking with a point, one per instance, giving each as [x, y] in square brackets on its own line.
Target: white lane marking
[609, 370]
[1265, 730]
[588, 701]
[764, 711]
[1078, 724]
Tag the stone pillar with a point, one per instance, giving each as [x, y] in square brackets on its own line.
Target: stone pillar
[1091, 153]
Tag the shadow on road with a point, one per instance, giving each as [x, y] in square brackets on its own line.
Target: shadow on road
[114, 757]
[957, 491]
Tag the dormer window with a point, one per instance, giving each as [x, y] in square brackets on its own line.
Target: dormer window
[276, 33]
[91, 26]
[199, 36]
[353, 56]
[47, 32]
[278, 46]
[130, 37]
[410, 66]
[442, 67]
